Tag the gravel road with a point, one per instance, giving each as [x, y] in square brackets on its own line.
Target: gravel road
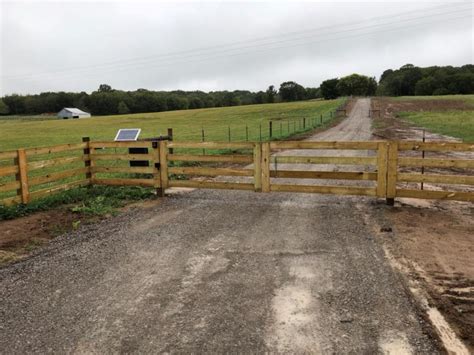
[218, 271]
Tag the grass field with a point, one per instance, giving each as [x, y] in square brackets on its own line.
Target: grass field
[187, 124]
[457, 123]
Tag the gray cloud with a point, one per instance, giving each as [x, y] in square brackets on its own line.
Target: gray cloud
[75, 46]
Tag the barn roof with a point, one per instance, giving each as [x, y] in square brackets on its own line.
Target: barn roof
[75, 110]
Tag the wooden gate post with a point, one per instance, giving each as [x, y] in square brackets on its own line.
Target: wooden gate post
[257, 167]
[23, 176]
[382, 157]
[157, 169]
[266, 167]
[392, 171]
[163, 157]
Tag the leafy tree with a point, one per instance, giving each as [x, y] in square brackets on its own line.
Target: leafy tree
[122, 108]
[271, 94]
[291, 91]
[329, 89]
[105, 88]
[4, 109]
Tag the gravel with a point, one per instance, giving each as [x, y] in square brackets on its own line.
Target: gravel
[216, 271]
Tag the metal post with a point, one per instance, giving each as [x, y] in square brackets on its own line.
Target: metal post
[203, 139]
[304, 122]
[281, 129]
[270, 129]
[229, 133]
[321, 119]
[246, 133]
[423, 157]
[170, 138]
[260, 129]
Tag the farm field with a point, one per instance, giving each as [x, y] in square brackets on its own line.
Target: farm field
[187, 124]
[451, 115]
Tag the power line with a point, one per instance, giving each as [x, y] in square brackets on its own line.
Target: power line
[157, 58]
[273, 48]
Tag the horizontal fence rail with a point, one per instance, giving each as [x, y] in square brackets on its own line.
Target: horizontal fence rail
[384, 169]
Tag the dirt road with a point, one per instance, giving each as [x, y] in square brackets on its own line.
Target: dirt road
[218, 271]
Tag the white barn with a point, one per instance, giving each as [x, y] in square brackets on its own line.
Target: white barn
[71, 112]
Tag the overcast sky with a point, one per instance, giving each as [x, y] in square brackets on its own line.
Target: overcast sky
[77, 45]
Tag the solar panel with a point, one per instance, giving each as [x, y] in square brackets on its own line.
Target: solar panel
[127, 134]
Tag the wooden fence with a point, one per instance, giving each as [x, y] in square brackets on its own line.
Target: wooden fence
[384, 169]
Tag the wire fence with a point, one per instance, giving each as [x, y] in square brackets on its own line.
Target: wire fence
[271, 129]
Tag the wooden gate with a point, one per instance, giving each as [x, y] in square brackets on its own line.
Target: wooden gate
[385, 169]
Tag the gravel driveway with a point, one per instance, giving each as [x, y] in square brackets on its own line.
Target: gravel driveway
[218, 271]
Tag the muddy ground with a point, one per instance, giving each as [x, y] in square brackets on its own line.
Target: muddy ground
[434, 240]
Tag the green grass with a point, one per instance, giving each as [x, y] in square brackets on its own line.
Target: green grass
[92, 201]
[187, 124]
[459, 124]
[454, 123]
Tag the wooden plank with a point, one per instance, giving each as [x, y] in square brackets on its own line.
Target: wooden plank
[10, 201]
[53, 162]
[211, 185]
[163, 156]
[257, 167]
[436, 146]
[124, 182]
[324, 160]
[337, 190]
[56, 149]
[382, 156]
[108, 144]
[331, 175]
[8, 170]
[57, 176]
[392, 169]
[123, 170]
[442, 195]
[9, 186]
[436, 162]
[362, 145]
[128, 157]
[431, 178]
[266, 151]
[212, 145]
[23, 176]
[8, 155]
[211, 158]
[211, 171]
[64, 187]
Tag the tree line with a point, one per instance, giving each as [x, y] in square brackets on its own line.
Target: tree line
[109, 101]
[407, 80]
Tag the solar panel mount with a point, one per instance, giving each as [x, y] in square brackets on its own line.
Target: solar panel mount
[127, 134]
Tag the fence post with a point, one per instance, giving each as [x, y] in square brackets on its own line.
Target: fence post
[392, 170]
[170, 138]
[87, 159]
[266, 167]
[247, 133]
[382, 155]
[202, 140]
[257, 166]
[304, 122]
[260, 132]
[162, 175]
[156, 168]
[229, 132]
[22, 176]
[270, 129]
[321, 119]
